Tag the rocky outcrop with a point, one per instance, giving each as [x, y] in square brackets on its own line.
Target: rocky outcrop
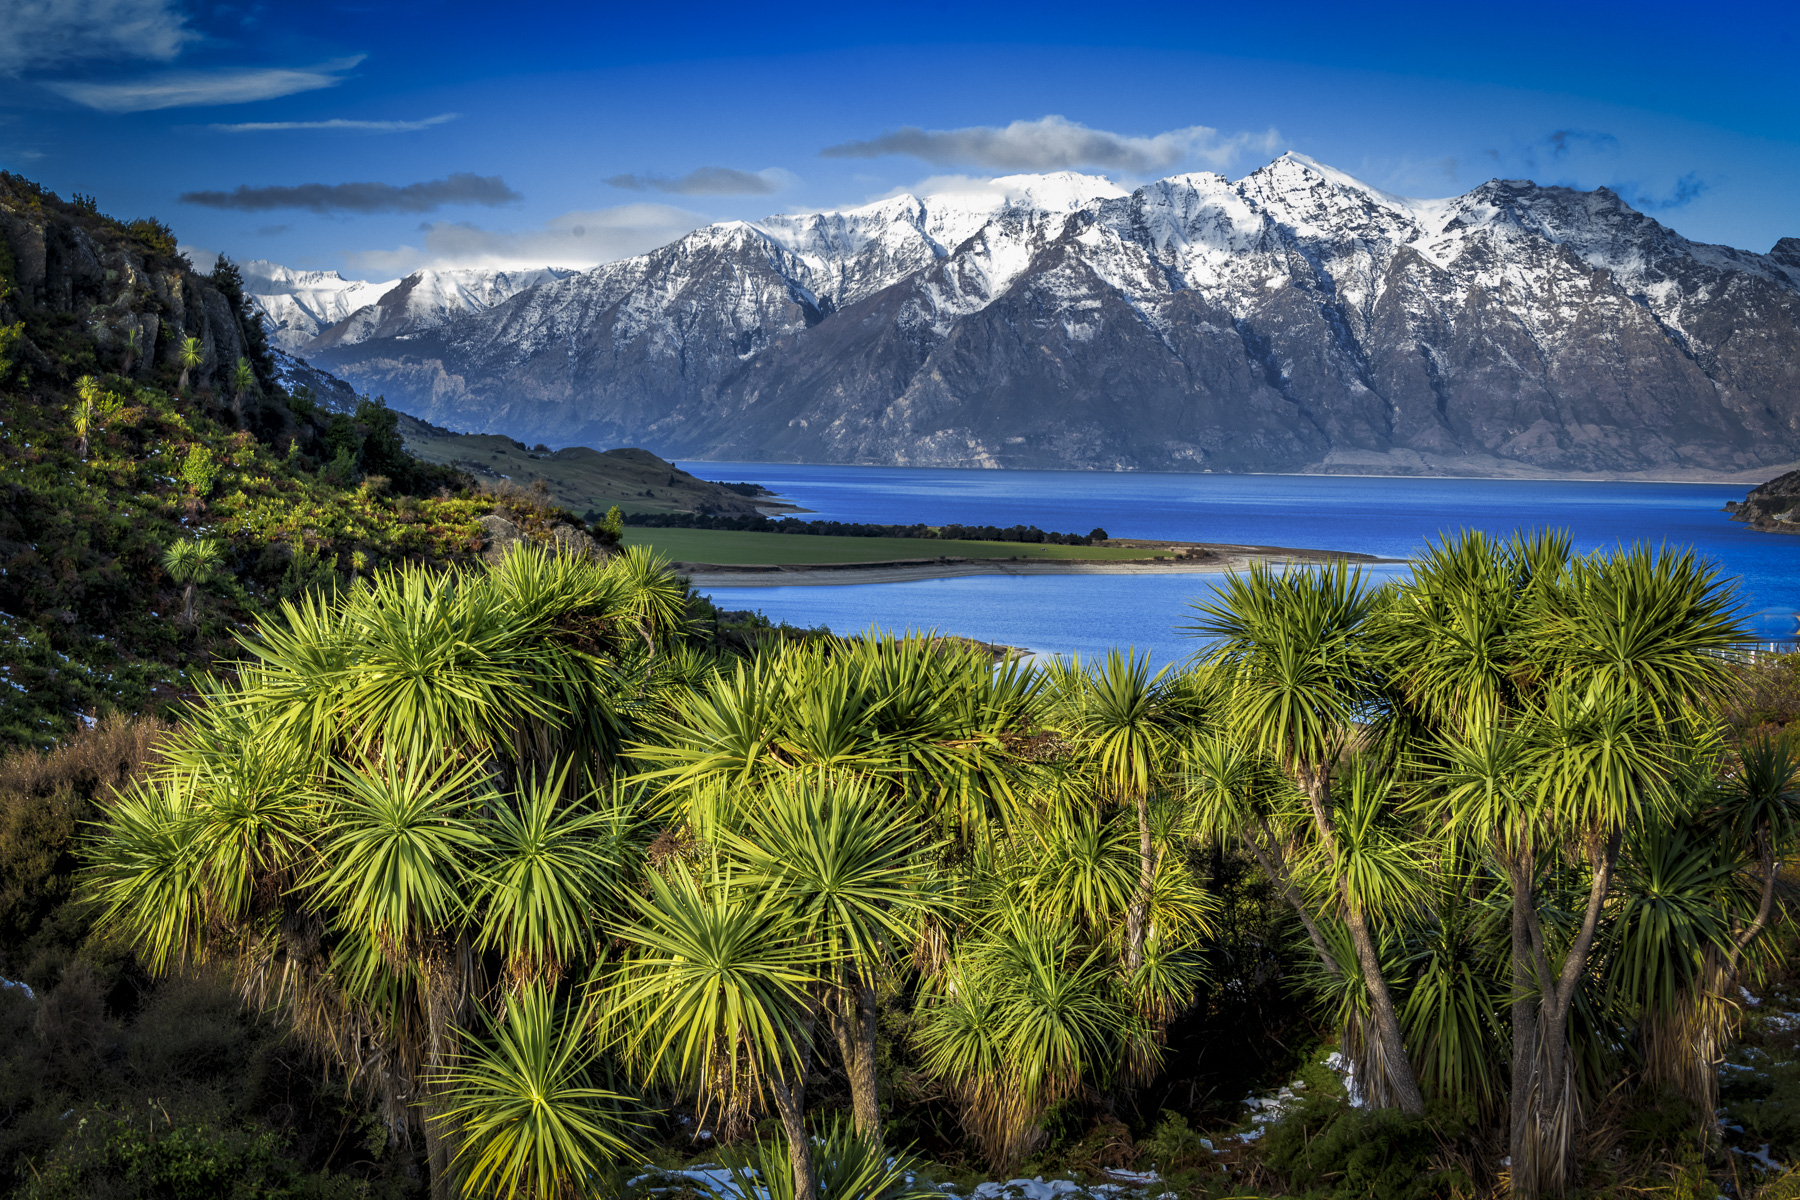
[125, 288]
[501, 535]
[1773, 507]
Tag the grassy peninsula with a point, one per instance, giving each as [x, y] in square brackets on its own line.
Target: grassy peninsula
[731, 547]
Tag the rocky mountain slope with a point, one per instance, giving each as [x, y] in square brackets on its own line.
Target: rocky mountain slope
[1295, 319]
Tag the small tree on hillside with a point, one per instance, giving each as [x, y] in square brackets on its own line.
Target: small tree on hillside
[243, 379]
[190, 562]
[191, 356]
[94, 406]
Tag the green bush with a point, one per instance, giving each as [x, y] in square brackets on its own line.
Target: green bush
[144, 1153]
[1347, 1152]
[1173, 1146]
[200, 470]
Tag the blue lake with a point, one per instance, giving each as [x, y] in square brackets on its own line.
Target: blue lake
[1392, 518]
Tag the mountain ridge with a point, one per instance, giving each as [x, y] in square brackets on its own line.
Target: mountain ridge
[308, 310]
[1293, 320]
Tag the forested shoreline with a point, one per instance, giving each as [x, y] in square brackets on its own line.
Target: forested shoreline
[531, 885]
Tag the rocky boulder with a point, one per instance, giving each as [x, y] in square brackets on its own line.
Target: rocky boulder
[502, 535]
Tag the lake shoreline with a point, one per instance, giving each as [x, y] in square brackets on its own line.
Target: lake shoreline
[1198, 559]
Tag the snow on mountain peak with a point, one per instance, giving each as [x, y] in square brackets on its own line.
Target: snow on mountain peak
[268, 278]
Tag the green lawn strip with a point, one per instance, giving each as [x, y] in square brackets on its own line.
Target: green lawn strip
[728, 547]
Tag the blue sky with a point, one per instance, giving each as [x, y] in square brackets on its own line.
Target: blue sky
[532, 133]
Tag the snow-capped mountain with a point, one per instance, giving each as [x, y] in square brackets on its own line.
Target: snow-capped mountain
[427, 299]
[1293, 319]
[297, 305]
[310, 310]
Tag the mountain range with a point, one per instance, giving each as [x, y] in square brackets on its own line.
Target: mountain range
[311, 310]
[1296, 319]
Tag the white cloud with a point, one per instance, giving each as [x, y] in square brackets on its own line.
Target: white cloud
[975, 186]
[188, 89]
[583, 238]
[53, 33]
[337, 123]
[1056, 143]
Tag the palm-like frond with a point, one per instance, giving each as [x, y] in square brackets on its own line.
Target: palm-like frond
[146, 872]
[1599, 763]
[1762, 798]
[1458, 995]
[402, 847]
[1378, 864]
[435, 662]
[525, 1101]
[553, 860]
[1027, 1016]
[723, 732]
[1228, 787]
[850, 1166]
[850, 871]
[1301, 673]
[1083, 868]
[1120, 715]
[716, 989]
[1658, 629]
[1672, 879]
[654, 599]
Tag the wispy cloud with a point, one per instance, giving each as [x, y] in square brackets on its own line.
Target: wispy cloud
[1055, 143]
[337, 123]
[460, 188]
[1687, 189]
[47, 34]
[1588, 158]
[1564, 142]
[575, 239]
[709, 181]
[192, 89]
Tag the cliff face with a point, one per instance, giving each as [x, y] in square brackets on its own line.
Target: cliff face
[1295, 319]
[86, 288]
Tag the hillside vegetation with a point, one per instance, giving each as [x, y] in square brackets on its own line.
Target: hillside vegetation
[795, 911]
[113, 451]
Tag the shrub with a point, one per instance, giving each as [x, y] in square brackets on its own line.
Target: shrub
[144, 1153]
[1173, 1146]
[1358, 1152]
[200, 470]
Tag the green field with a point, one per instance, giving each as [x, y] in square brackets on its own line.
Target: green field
[729, 547]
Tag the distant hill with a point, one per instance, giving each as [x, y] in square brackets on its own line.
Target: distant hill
[587, 481]
[1293, 320]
